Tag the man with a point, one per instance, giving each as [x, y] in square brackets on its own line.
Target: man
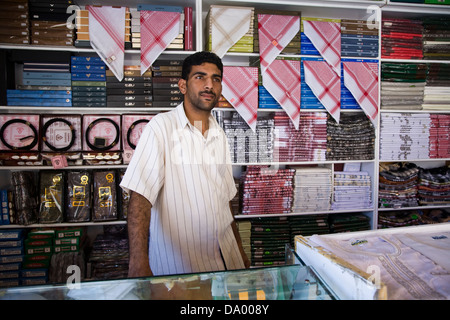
[180, 182]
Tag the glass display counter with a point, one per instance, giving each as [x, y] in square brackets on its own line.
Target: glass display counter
[293, 281]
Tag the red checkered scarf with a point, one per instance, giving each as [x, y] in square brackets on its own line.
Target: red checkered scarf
[158, 30]
[107, 36]
[361, 78]
[325, 84]
[282, 80]
[326, 38]
[275, 32]
[240, 88]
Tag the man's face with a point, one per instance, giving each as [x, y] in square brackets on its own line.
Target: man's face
[203, 87]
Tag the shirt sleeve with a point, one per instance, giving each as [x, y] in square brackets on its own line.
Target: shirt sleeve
[145, 172]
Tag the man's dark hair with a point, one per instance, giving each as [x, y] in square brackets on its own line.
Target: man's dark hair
[197, 59]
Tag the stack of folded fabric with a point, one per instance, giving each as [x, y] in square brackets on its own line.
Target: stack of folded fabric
[359, 38]
[308, 143]
[404, 136]
[401, 39]
[307, 225]
[247, 146]
[352, 189]
[109, 256]
[436, 38]
[437, 88]
[266, 191]
[402, 218]
[440, 136]
[312, 189]
[398, 185]
[353, 138]
[348, 222]
[269, 237]
[402, 85]
[434, 186]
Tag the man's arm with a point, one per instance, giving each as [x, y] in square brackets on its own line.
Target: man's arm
[138, 221]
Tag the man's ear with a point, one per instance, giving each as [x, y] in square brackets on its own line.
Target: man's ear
[182, 85]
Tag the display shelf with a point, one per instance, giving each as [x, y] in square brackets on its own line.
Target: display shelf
[292, 214]
[63, 224]
[416, 208]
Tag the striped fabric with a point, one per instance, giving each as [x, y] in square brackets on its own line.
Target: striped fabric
[281, 78]
[158, 30]
[188, 179]
[325, 84]
[107, 36]
[240, 88]
[326, 37]
[361, 79]
[229, 24]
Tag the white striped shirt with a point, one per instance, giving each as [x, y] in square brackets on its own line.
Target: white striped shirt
[189, 182]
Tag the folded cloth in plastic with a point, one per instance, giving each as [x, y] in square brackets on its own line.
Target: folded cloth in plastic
[158, 30]
[240, 88]
[361, 78]
[107, 36]
[228, 25]
[325, 84]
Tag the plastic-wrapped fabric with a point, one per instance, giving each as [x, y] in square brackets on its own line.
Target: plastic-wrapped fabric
[105, 196]
[51, 190]
[79, 196]
[25, 197]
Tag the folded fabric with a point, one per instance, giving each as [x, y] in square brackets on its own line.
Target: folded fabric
[361, 78]
[275, 32]
[325, 84]
[282, 80]
[228, 25]
[240, 88]
[107, 36]
[158, 30]
[326, 38]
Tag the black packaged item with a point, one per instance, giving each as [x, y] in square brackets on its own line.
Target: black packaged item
[51, 190]
[79, 195]
[25, 197]
[105, 196]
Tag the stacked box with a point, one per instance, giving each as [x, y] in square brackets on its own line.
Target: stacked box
[245, 232]
[166, 74]
[6, 206]
[82, 28]
[48, 23]
[135, 90]
[42, 84]
[359, 38]
[14, 23]
[245, 44]
[176, 44]
[293, 47]
[88, 81]
[38, 253]
[11, 257]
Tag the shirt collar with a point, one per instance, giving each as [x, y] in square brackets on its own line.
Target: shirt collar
[183, 121]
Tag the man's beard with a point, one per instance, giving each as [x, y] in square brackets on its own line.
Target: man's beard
[200, 103]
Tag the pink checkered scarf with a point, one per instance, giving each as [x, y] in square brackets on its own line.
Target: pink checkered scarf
[326, 38]
[282, 80]
[325, 84]
[361, 78]
[158, 30]
[275, 32]
[107, 36]
[240, 88]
